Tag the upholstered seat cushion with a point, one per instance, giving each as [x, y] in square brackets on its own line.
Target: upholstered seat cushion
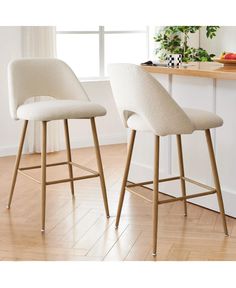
[200, 119]
[203, 120]
[59, 109]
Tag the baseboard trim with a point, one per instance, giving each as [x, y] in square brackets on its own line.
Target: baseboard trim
[118, 138]
[140, 172]
[103, 140]
[8, 150]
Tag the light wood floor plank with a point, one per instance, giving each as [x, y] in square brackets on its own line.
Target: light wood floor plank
[107, 241]
[123, 245]
[77, 229]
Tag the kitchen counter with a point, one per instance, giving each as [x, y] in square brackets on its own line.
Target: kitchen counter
[198, 69]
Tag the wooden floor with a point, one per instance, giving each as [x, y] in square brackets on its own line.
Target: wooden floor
[78, 229]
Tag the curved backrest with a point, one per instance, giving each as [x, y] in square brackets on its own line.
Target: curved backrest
[136, 91]
[30, 77]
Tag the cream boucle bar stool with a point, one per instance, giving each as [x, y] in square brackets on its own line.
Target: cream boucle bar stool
[145, 105]
[51, 77]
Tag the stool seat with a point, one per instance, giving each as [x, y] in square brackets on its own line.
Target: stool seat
[200, 119]
[51, 77]
[60, 109]
[145, 105]
[203, 120]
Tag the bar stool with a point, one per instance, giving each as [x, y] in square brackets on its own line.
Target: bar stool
[51, 77]
[145, 105]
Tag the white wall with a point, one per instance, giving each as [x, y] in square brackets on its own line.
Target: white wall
[225, 40]
[110, 127]
[10, 43]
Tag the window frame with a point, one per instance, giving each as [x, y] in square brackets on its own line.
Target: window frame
[101, 32]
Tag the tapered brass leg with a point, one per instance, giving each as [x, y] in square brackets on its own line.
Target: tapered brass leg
[17, 162]
[125, 177]
[43, 172]
[100, 168]
[181, 170]
[68, 152]
[155, 194]
[216, 179]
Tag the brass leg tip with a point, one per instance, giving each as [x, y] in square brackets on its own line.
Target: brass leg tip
[108, 216]
[154, 254]
[116, 227]
[8, 206]
[43, 230]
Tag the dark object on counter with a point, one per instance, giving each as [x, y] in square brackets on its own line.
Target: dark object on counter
[150, 63]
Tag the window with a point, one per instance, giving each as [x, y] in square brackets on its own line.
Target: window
[88, 50]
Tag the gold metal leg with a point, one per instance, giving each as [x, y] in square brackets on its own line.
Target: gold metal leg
[125, 177]
[43, 171]
[216, 179]
[100, 168]
[17, 162]
[68, 152]
[181, 170]
[155, 193]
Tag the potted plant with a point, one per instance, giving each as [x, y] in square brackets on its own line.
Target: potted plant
[174, 40]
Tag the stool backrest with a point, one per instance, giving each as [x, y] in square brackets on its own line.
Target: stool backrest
[136, 91]
[30, 77]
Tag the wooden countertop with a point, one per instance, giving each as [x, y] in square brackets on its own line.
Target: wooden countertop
[198, 69]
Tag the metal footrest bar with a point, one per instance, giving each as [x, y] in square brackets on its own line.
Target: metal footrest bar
[39, 166]
[28, 176]
[94, 173]
[187, 197]
[173, 199]
[139, 195]
[58, 164]
[141, 184]
[83, 168]
[151, 182]
[72, 179]
[197, 183]
[61, 180]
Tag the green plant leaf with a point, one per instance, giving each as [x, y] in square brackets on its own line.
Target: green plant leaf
[174, 39]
